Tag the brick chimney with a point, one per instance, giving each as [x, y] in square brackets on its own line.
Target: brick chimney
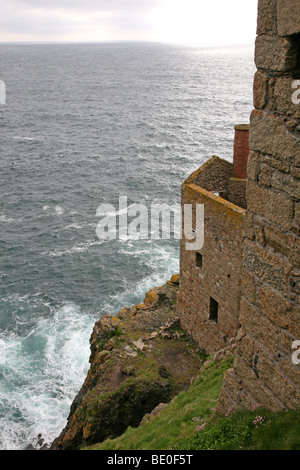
[241, 151]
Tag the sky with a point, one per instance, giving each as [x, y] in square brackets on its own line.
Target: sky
[179, 21]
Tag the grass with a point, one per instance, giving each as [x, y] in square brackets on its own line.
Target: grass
[259, 430]
[176, 420]
[189, 422]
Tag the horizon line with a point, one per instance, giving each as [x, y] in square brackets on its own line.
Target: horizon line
[141, 41]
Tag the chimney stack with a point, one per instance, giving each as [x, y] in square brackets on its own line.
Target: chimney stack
[241, 151]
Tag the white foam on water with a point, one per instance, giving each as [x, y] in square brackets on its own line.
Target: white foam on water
[5, 219]
[43, 369]
[115, 213]
[41, 375]
[163, 261]
[79, 248]
[25, 138]
[59, 210]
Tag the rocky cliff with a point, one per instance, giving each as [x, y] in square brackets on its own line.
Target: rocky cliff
[140, 357]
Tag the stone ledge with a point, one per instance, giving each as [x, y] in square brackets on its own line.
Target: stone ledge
[275, 54]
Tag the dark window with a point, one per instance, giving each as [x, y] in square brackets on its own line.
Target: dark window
[213, 310]
[199, 259]
[295, 41]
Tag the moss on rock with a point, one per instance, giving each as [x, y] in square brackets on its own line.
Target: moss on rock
[139, 358]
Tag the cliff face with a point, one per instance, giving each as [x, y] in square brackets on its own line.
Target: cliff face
[139, 358]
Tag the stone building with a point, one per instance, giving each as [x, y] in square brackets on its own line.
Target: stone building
[210, 278]
[262, 240]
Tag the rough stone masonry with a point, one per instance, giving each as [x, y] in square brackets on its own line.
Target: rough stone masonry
[264, 373]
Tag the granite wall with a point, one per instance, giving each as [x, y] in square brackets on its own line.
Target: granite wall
[264, 373]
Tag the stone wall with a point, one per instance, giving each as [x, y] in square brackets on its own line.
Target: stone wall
[264, 373]
[208, 301]
[237, 192]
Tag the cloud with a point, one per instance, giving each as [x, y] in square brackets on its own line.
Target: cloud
[75, 19]
[101, 20]
[133, 6]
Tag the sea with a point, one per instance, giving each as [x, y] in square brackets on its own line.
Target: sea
[82, 125]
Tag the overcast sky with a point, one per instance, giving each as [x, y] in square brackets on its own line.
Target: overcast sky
[182, 21]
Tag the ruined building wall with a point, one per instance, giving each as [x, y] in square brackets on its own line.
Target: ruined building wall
[264, 373]
[208, 301]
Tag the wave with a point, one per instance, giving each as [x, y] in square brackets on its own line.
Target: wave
[59, 210]
[26, 139]
[113, 213]
[81, 247]
[5, 219]
[42, 372]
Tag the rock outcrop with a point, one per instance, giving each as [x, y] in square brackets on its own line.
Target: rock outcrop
[140, 358]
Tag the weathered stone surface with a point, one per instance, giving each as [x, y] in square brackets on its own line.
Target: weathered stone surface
[253, 165]
[297, 214]
[260, 235]
[246, 349]
[151, 297]
[270, 205]
[212, 175]
[259, 392]
[269, 135]
[249, 287]
[267, 18]
[295, 171]
[288, 17]
[265, 174]
[268, 267]
[237, 192]
[260, 90]
[175, 279]
[294, 254]
[275, 380]
[258, 327]
[285, 343]
[286, 183]
[285, 243]
[275, 54]
[291, 371]
[275, 163]
[249, 229]
[280, 311]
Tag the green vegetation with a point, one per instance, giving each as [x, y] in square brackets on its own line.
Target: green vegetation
[175, 421]
[114, 333]
[189, 422]
[258, 430]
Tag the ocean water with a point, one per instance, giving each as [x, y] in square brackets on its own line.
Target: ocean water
[82, 125]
